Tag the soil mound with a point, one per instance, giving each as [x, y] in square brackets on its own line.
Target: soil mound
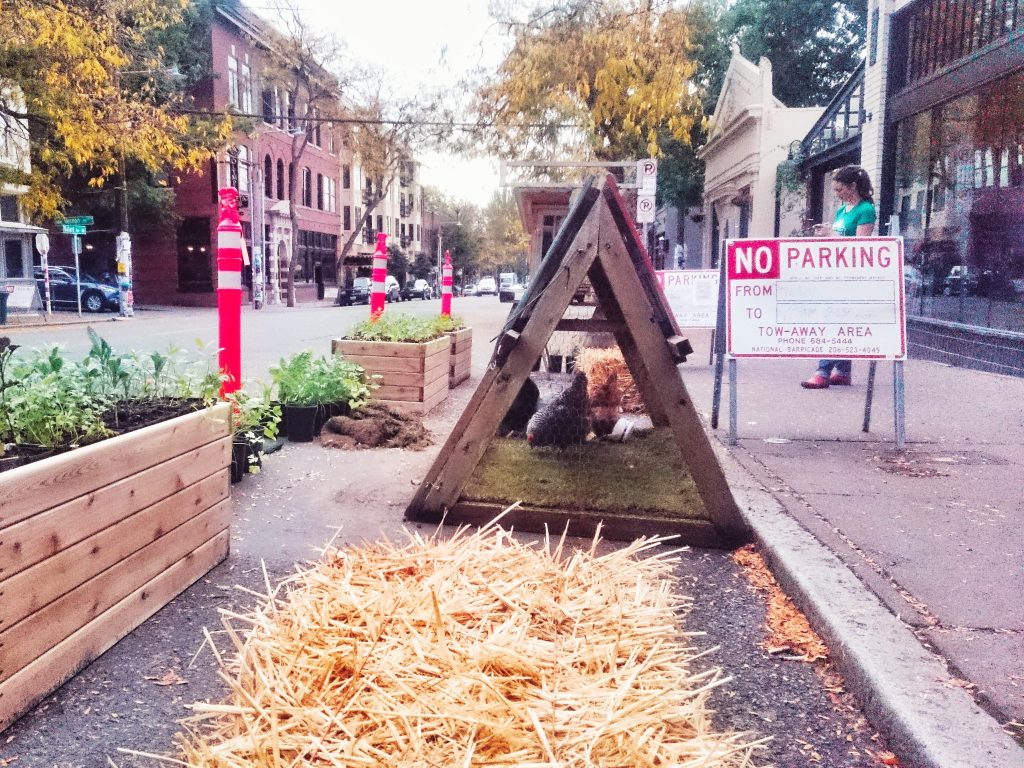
[375, 426]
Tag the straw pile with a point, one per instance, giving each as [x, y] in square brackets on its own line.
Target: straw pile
[599, 365]
[472, 651]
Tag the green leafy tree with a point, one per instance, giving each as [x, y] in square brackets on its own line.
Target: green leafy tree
[618, 73]
[398, 264]
[504, 244]
[86, 79]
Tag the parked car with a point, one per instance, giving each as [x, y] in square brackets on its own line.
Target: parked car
[486, 287]
[357, 293]
[469, 290]
[913, 280]
[97, 296]
[392, 290]
[961, 279]
[417, 289]
[505, 282]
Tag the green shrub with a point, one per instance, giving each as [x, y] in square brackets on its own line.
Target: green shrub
[405, 328]
[303, 379]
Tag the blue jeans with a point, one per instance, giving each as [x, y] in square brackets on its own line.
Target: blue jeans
[842, 367]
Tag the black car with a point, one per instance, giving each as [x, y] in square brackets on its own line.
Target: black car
[97, 296]
[417, 289]
[357, 293]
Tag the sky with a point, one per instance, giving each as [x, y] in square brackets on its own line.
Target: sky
[418, 43]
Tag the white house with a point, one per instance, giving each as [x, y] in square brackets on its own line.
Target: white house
[751, 133]
[15, 234]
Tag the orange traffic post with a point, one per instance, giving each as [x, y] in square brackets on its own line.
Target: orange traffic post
[446, 285]
[229, 291]
[380, 273]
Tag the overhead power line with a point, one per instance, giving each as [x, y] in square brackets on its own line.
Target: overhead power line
[289, 119]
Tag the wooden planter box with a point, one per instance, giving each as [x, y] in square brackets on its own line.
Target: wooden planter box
[414, 377]
[461, 358]
[95, 541]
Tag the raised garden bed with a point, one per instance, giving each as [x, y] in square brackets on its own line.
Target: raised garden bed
[96, 540]
[413, 376]
[461, 357]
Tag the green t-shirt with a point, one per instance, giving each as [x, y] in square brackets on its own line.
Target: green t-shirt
[847, 220]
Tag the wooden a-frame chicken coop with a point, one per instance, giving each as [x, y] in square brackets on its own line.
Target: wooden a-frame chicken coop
[597, 241]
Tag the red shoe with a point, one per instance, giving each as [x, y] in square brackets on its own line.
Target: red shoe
[839, 380]
[817, 381]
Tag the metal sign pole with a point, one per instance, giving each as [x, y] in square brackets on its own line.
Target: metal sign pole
[733, 400]
[866, 427]
[718, 348]
[76, 249]
[898, 392]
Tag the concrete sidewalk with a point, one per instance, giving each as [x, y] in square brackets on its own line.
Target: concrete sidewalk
[935, 532]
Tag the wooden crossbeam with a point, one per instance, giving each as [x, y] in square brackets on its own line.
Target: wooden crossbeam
[620, 290]
[460, 455]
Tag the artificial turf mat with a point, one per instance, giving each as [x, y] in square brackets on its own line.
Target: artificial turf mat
[645, 476]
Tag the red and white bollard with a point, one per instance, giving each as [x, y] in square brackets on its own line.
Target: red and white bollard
[446, 285]
[380, 272]
[229, 290]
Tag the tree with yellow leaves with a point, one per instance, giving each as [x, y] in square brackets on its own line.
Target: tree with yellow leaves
[86, 77]
[609, 79]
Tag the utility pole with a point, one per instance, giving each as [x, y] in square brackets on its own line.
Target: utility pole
[124, 248]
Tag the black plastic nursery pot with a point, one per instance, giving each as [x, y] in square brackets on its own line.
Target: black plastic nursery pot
[240, 450]
[301, 420]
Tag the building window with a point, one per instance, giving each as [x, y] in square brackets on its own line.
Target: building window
[243, 169]
[232, 81]
[320, 191]
[332, 195]
[8, 208]
[267, 99]
[268, 177]
[307, 188]
[347, 218]
[291, 180]
[246, 86]
[280, 179]
[346, 177]
[966, 158]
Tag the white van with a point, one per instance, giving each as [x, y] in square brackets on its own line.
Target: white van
[486, 286]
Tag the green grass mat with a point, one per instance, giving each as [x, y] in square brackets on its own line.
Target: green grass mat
[643, 476]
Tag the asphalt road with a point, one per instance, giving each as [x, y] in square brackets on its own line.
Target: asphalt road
[267, 335]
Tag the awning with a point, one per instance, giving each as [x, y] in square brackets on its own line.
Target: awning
[17, 228]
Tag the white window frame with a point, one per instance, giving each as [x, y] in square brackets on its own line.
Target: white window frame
[246, 88]
[232, 81]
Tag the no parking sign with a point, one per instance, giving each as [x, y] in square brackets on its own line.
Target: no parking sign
[816, 298]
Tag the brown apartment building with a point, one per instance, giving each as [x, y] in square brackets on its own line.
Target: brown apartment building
[330, 190]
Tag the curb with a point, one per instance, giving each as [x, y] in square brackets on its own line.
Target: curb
[903, 688]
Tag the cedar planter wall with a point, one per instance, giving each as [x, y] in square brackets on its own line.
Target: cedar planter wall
[461, 357]
[95, 541]
[413, 377]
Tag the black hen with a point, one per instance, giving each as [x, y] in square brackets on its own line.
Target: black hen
[564, 420]
[522, 408]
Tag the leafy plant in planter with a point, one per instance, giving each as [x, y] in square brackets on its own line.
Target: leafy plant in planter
[50, 403]
[253, 419]
[306, 384]
[405, 328]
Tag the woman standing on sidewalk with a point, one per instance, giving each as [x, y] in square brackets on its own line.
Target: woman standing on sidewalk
[855, 218]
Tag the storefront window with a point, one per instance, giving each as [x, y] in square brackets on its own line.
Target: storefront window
[959, 196]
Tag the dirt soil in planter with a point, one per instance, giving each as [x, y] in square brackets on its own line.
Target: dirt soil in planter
[127, 417]
[375, 426]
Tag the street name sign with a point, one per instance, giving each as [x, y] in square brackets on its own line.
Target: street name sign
[816, 298]
[80, 220]
[692, 295]
[73, 229]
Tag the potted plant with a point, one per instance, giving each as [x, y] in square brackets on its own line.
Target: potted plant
[254, 418]
[461, 357]
[309, 387]
[407, 356]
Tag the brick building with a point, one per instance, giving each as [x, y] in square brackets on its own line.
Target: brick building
[329, 188]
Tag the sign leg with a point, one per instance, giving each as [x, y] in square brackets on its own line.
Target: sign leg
[898, 392]
[732, 401]
[866, 427]
[718, 346]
